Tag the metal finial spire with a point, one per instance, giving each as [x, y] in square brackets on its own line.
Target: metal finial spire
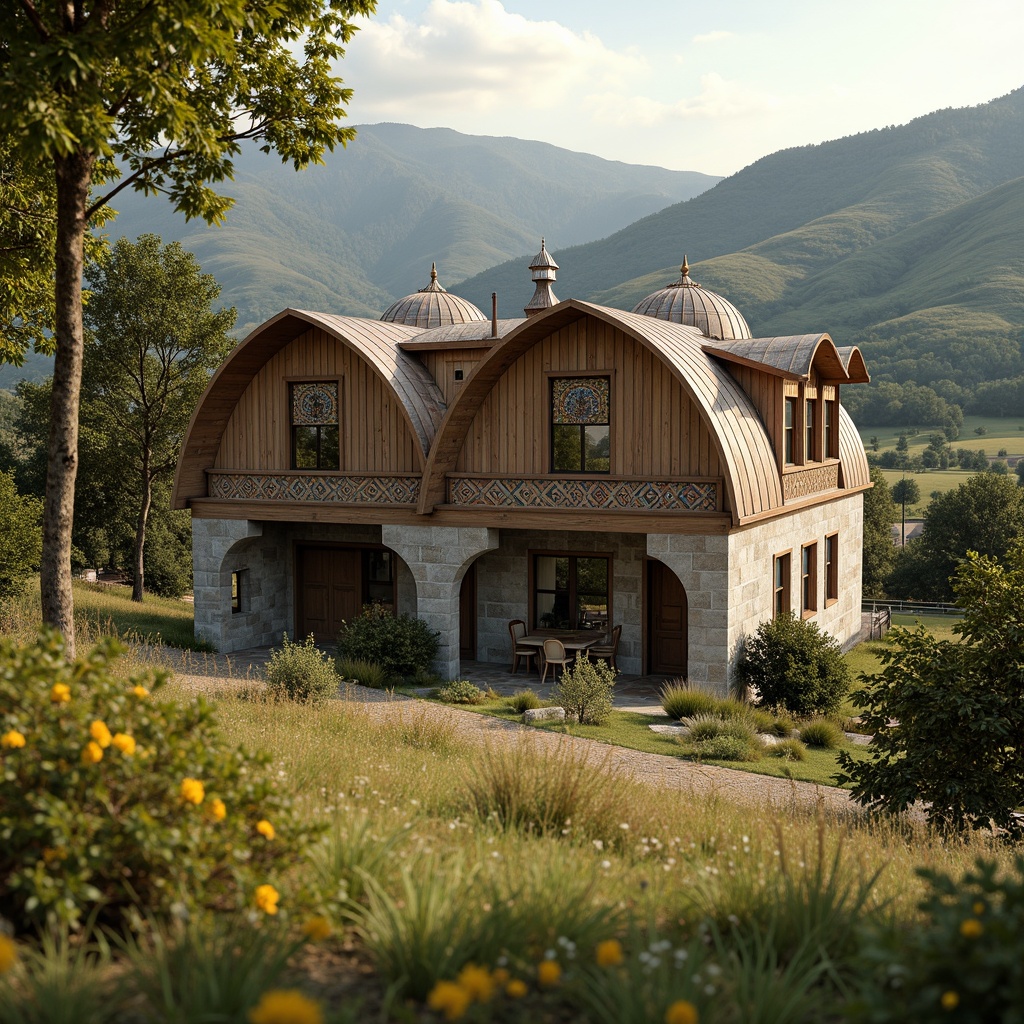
[433, 272]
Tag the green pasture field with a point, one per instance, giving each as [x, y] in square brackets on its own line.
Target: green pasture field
[1000, 432]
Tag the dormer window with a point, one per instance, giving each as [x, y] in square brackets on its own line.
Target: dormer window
[831, 437]
[790, 431]
[580, 425]
[314, 422]
[811, 430]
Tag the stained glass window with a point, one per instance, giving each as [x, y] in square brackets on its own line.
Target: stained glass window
[315, 435]
[580, 425]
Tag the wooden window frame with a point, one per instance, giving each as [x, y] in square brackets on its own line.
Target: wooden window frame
[831, 569]
[812, 431]
[830, 429]
[789, 430]
[809, 580]
[579, 375]
[291, 427]
[782, 597]
[534, 554]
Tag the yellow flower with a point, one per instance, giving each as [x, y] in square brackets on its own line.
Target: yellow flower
[12, 740]
[265, 829]
[950, 1000]
[100, 733]
[266, 898]
[453, 1000]
[54, 854]
[681, 1012]
[8, 954]
[516, 989]
[140, 691]
[124, 743]
[217, 809]
[501, 976]
[979, 908]
[548, 973]
[477, 981]
[192, 791]
[317, 928]
[286, 1006]
[60, 693]
[971, 928]
[92, 753]
[609, 953]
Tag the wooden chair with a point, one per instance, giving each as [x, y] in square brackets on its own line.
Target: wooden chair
[607, 652]
[517, 630]
[554, 654]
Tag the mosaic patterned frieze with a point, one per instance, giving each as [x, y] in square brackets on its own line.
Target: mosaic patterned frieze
[581, 400]
[315, 403]
[810, 481]
[614, 495]
[366, 490]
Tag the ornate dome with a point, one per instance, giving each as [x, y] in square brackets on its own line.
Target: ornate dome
[432, 307]
[685, 302]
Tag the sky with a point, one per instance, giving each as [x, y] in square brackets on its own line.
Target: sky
[706, 87]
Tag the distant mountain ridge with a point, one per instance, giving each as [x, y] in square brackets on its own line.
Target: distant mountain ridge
[362, 230]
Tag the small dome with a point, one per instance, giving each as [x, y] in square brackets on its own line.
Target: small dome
[685, 302]
[431, 307]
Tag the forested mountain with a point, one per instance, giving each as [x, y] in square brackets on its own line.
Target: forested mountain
[903, 240]
[362, 230]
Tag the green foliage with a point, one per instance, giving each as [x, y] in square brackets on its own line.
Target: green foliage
[725, 747]
[461, 691]
[792, 665]
[20, 536]
[906, 492]
[823, 734]
[585, 691]
[301, 672]
[946, 716]
[790, 749]
[964, 963]
[403, 646]
[366, 673]
[167, 558]
[117, 799]
[879, 553]
[985, 514]
[523, 700]
[679, 700]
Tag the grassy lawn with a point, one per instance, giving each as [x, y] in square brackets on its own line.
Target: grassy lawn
[108, 610]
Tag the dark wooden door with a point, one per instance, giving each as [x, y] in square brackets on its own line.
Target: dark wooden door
[666, 621]
[330, 588]
[467, 615]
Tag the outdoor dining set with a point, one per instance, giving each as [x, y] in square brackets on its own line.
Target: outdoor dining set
[559, 649]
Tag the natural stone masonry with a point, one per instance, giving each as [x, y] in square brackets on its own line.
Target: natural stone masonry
[438, 557]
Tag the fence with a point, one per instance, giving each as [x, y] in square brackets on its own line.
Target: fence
[913, 607]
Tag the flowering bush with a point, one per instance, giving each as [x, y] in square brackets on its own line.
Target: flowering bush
[461, 691]
[112, 798]
[964, 964]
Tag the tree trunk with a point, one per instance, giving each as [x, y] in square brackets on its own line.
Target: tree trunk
[138, 584]
[74, 176]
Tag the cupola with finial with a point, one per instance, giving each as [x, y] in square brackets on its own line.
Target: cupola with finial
[685, 302]
[543, 268]
[432, 306]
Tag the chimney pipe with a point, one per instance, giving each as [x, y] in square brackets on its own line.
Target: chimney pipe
[494, 315]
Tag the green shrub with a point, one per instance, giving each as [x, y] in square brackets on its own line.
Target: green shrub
[822, 733]
[585, 691]
[523, 700]
[679, 700]
[301, 672]
[726, 748]
[706, 727]
[461, 691]
[20, 536]
[366, 673]
[730, 707]
[111, 798]
[772, 724]
[788, 750]
[964, 962]
[403, 646]
[790, 664]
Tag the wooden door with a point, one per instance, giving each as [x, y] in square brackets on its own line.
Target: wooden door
[467, 615]
[666, 622]
[330, 588]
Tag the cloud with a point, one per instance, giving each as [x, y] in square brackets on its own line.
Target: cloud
[718, 98]
[477, 56]
[713, 37]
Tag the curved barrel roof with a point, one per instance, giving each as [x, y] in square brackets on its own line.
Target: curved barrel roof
[377, 342]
